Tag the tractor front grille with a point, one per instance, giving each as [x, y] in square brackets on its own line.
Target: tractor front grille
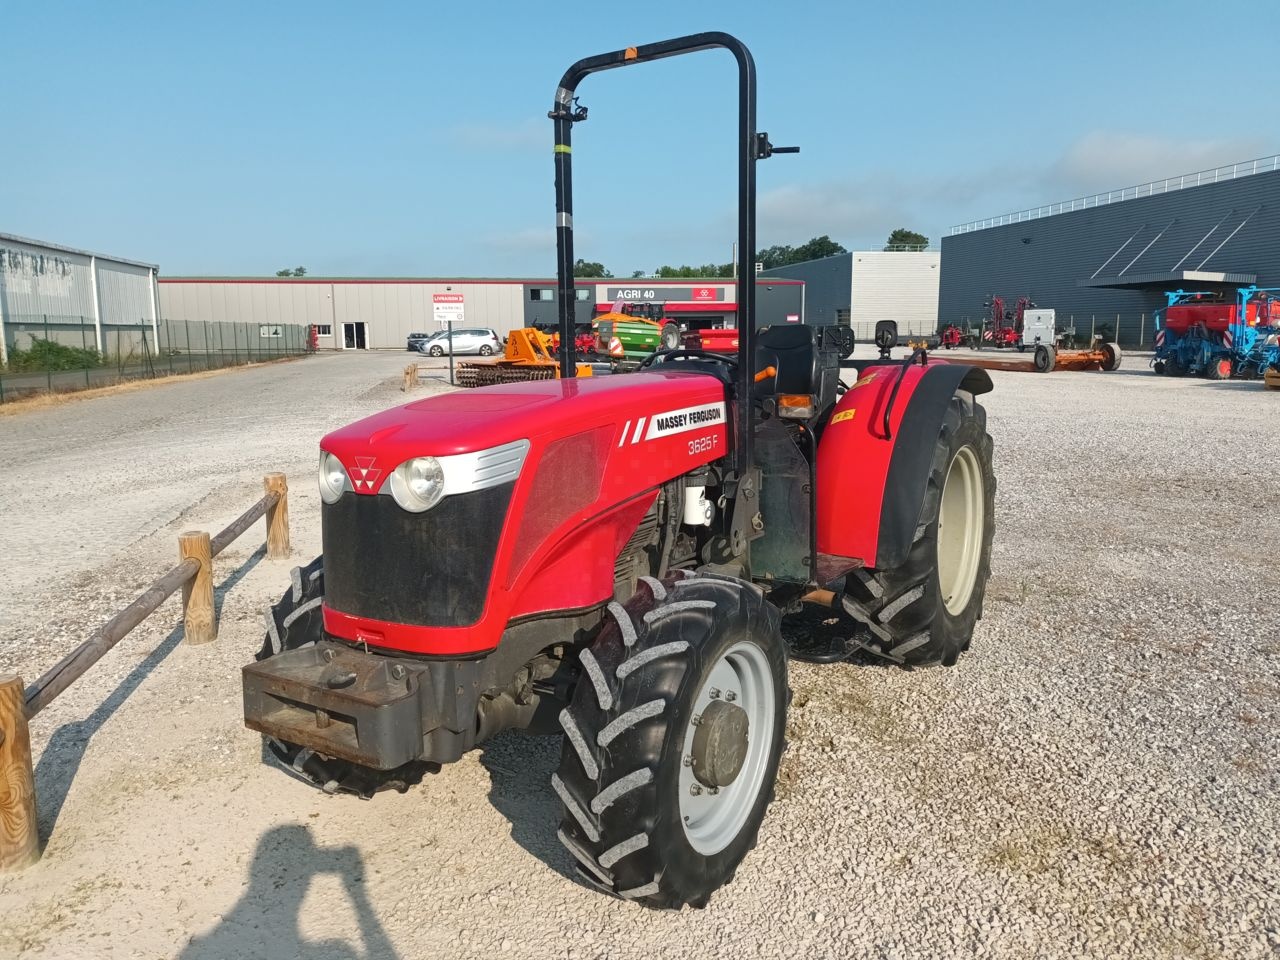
[427, 569]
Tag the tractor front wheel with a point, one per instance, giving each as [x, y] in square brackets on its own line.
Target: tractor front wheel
[1044, 358]
[672, 739]
[1218, 369]
[669, 339]
[294, 622]
[924, 612]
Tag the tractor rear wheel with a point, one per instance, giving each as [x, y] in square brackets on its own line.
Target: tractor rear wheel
[1219, 368]
[669, 338]
[923, 613]
[672, 739]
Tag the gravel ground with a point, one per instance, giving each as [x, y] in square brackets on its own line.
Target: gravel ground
[1097, 778]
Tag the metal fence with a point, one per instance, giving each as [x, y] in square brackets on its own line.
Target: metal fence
[48, 354]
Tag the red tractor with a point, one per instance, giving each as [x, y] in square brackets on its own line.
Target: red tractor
[612, 559]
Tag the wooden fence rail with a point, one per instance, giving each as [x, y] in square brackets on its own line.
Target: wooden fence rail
[19, 844]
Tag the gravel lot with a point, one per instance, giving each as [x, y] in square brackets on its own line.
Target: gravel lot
[1099, 777]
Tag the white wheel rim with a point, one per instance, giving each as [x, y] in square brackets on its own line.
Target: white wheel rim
[960, 528]
[713, 820]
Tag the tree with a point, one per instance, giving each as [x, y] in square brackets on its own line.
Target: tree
[589, 268]
[775, 256]
[687, 272]
[902, 237]
[637, 274]
[295, 272]
[783, 256]
[816, 249]
[769, 257]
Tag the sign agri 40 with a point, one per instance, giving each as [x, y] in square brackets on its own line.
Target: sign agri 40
[703, 294]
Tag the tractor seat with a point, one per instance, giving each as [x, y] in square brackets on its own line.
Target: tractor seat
[801, 368]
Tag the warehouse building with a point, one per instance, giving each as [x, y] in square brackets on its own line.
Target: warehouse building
[1110, 257]
[369, 313]
[74, 297]
[866, 286]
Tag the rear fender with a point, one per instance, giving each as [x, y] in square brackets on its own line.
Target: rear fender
[872, 482]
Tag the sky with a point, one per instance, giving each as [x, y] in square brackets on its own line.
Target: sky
[411, 139]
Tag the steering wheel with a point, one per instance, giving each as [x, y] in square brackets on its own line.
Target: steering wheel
[664, 356]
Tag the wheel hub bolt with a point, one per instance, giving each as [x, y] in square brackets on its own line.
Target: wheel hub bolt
[697, 720]
[714, 693]
[695, 790]
[329, 655]
[688, 761]
[731, 696]
[713, 791]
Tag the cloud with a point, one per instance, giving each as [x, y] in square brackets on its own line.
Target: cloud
[796, 212]
[1107, 160]
[518, 135]
[523, 240]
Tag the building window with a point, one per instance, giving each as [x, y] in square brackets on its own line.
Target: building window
[324, 330]
[582, 296]
[541, 293]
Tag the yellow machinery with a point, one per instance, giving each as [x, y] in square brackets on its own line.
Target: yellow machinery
[528, 356]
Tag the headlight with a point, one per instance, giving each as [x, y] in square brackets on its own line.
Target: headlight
[333, 477]
[418, 484]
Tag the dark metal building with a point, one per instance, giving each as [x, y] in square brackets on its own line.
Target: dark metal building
[1113, 255]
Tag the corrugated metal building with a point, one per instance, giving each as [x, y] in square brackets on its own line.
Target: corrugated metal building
[1114, 254]
[72, 296]
[865, 286]
[355, 313]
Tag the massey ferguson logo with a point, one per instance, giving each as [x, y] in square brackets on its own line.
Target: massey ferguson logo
[671, 422]
[704, 293]
[365, 475]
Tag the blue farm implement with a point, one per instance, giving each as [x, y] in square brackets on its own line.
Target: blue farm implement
[1205, 334]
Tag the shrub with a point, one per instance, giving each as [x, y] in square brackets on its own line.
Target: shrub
[48, 355]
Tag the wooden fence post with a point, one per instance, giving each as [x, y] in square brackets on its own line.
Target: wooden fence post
[410, 378]
[277, 516]
[199, 622]
[19, 842]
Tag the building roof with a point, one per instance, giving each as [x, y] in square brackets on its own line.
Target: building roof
[1187, 279]
[549, 281]
[83, 253]
[1185, 181]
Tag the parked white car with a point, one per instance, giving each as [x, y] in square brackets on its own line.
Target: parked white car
[481, 340]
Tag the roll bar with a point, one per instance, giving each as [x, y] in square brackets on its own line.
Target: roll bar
[752, 146]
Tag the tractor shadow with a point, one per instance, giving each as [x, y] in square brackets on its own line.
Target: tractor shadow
[265, 922]
[520, 768]
[62, 755]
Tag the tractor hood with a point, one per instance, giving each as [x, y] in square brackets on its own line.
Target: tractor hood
[467, 421]
[548, 477]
